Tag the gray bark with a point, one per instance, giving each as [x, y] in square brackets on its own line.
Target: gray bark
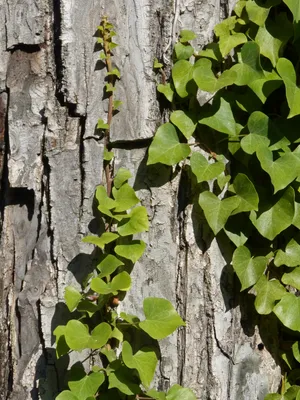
[51, 87]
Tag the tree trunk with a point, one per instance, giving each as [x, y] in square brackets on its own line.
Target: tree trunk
[51, 96]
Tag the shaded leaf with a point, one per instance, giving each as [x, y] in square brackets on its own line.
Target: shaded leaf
[246, 192]
[203, 169]
[166, 90]
[292, 278]
[288, 311]
[288, 74]
[267, 293]
[72, 297]
[220, 117]
[206, 79]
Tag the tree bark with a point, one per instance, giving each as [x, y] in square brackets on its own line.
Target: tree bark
[51, 96]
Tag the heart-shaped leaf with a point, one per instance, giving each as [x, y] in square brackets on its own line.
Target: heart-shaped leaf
[100, 335]
[72, 297]
[207, 81]
[125, 197]
[292, 278]
[167, 91]
[227, 43]
[77, 335]
[183, 51]
[248, 269]
[121, 177]
[267, 293]
[121, 378]
[105, 238]
[288, 74]
[277, 217]
[166, 147]
[108, 265]
[217, 211]
[220, 117]
[246, 192]
[87, 386]
[122, 281]
[135, 222]
[184, 122]
[182, 74]
[132, 251]
[288, 311]
[291, 256]
[203, 169]
[161, 318]
[144, 361]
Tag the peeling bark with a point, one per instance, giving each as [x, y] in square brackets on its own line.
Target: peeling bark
[51, 96]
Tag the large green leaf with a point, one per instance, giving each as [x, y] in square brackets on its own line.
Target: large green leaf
[217, 211]
[256, 14]
[177, 392]
[166, 147]
[183, 51]
[267, 293]
[292, 278]
[227, 43]
[283, 170]
[166, 90]
[246, 192]
[277, 217]
[291, 256]
[122, 378]
[103, 199]
[105, 238]
[72, 297]
[66, 395]
[249, 68]
[220, 117]
[77, 335]
[184, 122]
[182, 74]
[288, 311]
[99, 335]
[248, 269]
[121, 177]
[136, 222]
[132, 251]
[144, 361]
[161, 318]
[122, 281]
[206, 79]
[225, 27]
[87, 386]
[125, 198]
[294, 6]
[108, 265]
[203, 169]
[288, 74]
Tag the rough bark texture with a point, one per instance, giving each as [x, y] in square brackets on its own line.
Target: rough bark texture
[51, 96]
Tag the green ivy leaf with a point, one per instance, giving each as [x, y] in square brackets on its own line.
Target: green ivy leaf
[61, 345]
[125, 197]
[248, 269]
[267, 293]
[72, 297]
[217, 211]
[99, 336]
[225, 27]
[121, 177]
[176, 392]
[103, 200]
[283, 170]
[102, 125]
[187, 35]
[256, 14]
[66, 395]
[277, 217]
[157, 64]
[87, 386]
[182, 74]
[115, 72]
[212, 51]
[296, 351]
[292, 278]
[249, 68]
[117, 104]
[144, 361]
[108, 265]
[135, 222]
[288, 311]
[184, 122]
[132, 251]
[154, 394]
[183, 51]
[264, 87]
[288, 74]
[220, 117]
[247, 194]
[161, 318]
[121, 378]
[203, 169]
[108, 155]
[121, 281]
[105, 238]
[291, 256]
[99, 286]
[238, 229]
[227, 43]
[294, 6]
[77, 335]
[167, 91]
[206, 79]
[166, 147]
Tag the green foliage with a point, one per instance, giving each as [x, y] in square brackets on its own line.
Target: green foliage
[248, 149]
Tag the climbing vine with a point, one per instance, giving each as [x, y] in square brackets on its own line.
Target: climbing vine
[95, 325]
[234, 125]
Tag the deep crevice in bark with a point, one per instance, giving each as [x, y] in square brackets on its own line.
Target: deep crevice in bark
[82, 160]
[26, 48]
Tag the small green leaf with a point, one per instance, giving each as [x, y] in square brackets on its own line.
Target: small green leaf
[108, 155]
[187, 35]
[288, 311]
[72, 297]
[167, 91]
[61, 345]
[183, 51]
[101, 241]
[277, 217]
[66, 395]
[166, 147]
[291, 256]
[161, 318]
[115, 72]
[122, 176]
[108, 265]
[132, 251]
[225, 27]
[117, 104]
[102, 125]
[103, 199]
[294, 6]
[203, 169]
[109, 87]
[144, 361]
[227, 43]
[182, 74]
[247, 194]
[292, 278]
[177, 392]
[87, 386]
[135, 222]
[112, 45]
[217, 211]
[248, 269]
[184, 122]
[206, 79]
[121, 281]
[77, 335]
[212, 51]
[125, 197]
[99, 286]
[100, 335]
[267, 293]
[288, 74]
[157, 64]
[122, 378]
